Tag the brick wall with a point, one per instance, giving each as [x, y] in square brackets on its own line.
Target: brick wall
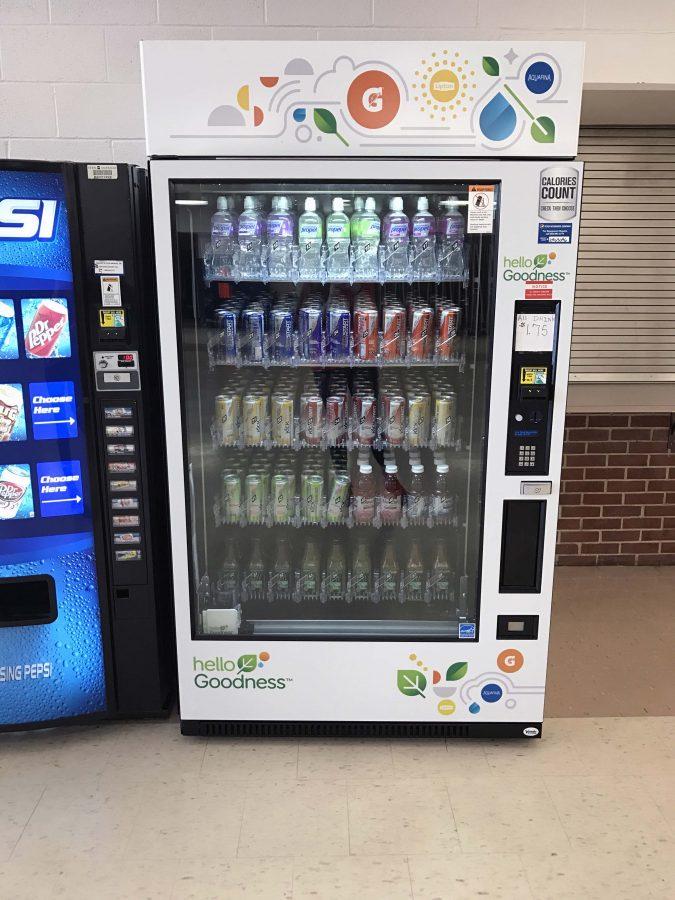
[70, 72]
[617, 499]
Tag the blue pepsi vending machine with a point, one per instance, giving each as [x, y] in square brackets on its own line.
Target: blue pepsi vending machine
[85, 615]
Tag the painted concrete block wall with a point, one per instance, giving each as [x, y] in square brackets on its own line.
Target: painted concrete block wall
[70, 75]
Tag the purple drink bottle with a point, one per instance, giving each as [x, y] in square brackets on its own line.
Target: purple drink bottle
[395, 237]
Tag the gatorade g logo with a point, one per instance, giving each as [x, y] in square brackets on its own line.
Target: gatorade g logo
[510, 660]
[373, 99]
[24, 220]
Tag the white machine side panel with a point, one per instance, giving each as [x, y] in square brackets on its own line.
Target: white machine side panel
[486, 680]
[362, 98]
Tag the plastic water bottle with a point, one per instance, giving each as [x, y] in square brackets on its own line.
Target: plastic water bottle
[366, 240]
[423, 241]
[441, 501]
[310, 236]
[395, 235]
[251, 230]
[337, 237]
[417, 501]
[280, 233]
[451, 232]
[223, 237]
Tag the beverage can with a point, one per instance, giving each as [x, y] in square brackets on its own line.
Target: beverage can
[282, 498]
[253, 326]
[282, 419]
[227, 321]
[254, 417]
[311, 418]
[11, 410]
[393, 417]
[365, 332]
[421, 332]
[312, 496]
[336, 419]
[14, 482]
[418, 418]
[48, 324]
[282, 332]
[254, 501]
[310, 328]
[228, 418]
[364, 418]
[338, 497]
[338, 330]
[445, 406]
[447, 331]
[231, 497]
[393, 332]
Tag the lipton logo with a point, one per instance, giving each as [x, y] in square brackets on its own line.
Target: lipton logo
[236, 674]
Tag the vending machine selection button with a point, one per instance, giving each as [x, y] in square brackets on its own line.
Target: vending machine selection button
[60, 488]
[122, 468]
[117, 412]
[536, 488]
[53, 409]
[126, 537]
[121, 449]
[124, 502]
[128, 555]
[119, 431]
[126, 521]
[123, 485]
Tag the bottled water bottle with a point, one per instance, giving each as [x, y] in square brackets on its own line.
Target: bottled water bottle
[223, 237]
[365, 230]
[396, 230]
[310, 236]
[423, 241]
[280, 232]
[451, 249]
[337, 236]
[251, 229]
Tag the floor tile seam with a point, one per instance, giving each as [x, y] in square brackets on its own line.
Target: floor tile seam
[454, 817]
[526, 872]
[558, 814]
[27, 822]
[407, 865]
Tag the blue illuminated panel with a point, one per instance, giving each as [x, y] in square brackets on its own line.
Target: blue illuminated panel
[55, 670]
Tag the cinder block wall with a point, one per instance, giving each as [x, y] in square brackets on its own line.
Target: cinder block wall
[617, 503]
[70, 74]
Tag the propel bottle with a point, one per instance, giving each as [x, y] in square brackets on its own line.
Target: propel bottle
[423, 241]
[310, 237]
[280, 230]
[395, 236]
[451, 231]
[337, 238]
[365, 232]
[250, 232]
[223, 237]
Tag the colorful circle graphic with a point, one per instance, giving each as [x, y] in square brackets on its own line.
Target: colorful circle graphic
[539, 78]
[444, 85]
[510, 660]
[373, 99]
[446, 707]
[491, 693]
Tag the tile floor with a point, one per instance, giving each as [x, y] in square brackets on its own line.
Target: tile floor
[135, 810]
[138, 811]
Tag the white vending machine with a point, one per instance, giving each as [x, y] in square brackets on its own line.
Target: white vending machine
[366, 258]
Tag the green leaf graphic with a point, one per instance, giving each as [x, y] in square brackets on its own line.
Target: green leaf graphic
[456, 671]
[247, 662]
[325, 121]
[490, 65]
[411, 682]
[543, 130]
[540, 260]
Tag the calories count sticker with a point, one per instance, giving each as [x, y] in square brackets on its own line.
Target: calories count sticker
[45, 328]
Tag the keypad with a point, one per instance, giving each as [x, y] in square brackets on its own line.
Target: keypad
[526, 456]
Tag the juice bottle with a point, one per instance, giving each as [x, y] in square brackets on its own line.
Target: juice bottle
[392, 496]
[336, 572]
[255, 577]
[414, 576]
[362, 573]
[439, 579]
[416, 501]
[281, 571]
[310, 572]
[389, 573]
[441, 500]
[364, 495]
[229, 575]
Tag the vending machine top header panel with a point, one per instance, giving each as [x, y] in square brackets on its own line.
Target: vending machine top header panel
[319, 98]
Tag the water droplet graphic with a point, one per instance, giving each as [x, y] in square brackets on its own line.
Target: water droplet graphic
[474, 708]
[498, 119]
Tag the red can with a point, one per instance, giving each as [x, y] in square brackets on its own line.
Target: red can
[336, 419]
[365, 332]
[49, 321]
[364, 418]
[393, 418]
[447, 331]
[393, 332]
[311, 418]
[421, 332]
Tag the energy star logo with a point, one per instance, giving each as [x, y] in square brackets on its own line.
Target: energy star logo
[415, 682]
[231, 674]
[25, 220]
[532, 268]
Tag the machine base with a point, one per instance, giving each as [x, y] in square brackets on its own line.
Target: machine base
[208, 728]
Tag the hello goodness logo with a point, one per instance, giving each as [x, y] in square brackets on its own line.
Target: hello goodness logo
[230, 674]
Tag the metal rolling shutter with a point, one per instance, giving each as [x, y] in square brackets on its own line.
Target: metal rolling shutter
[624, 320]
